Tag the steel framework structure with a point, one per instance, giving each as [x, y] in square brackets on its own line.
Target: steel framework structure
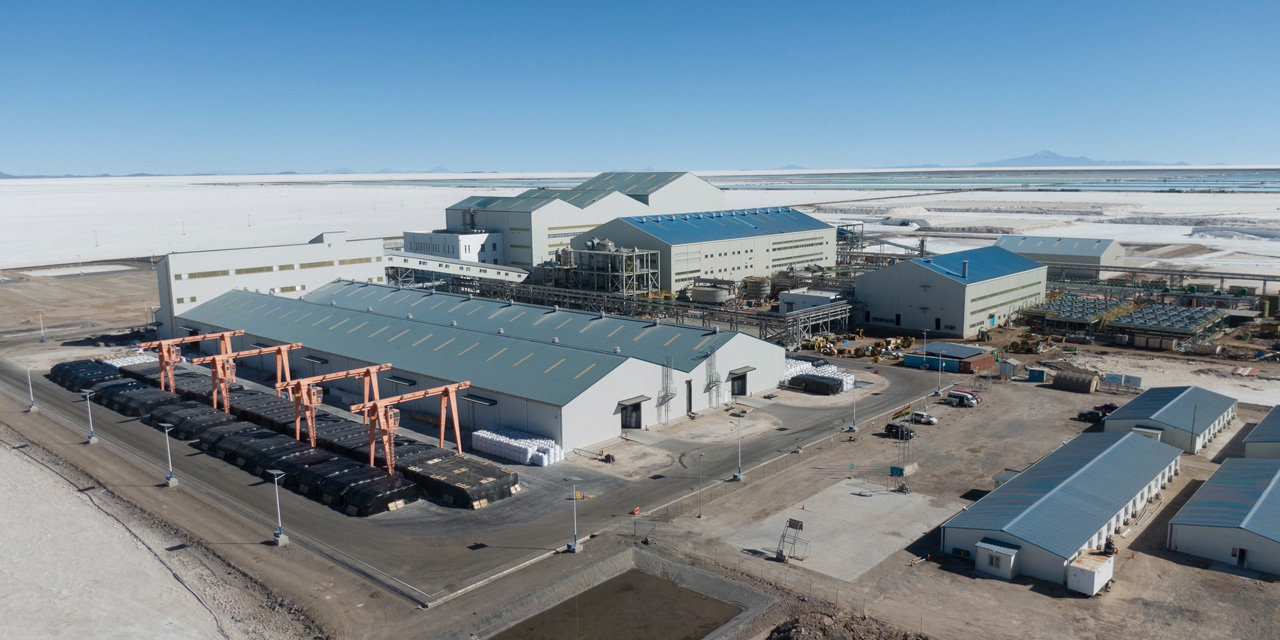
[384, 419]
[170, 351]
[307, 395]
[223, 368]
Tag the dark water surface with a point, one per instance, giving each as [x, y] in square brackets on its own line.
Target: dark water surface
[632, 606]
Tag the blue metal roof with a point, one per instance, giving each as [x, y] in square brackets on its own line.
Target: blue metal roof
[951, 350]
[991, 544]
[1268, 430]
[1060, 502]
[1244, 493]
[631, 337]
[987, 263]
[500, 363]
[1176, 407]
[710, 226]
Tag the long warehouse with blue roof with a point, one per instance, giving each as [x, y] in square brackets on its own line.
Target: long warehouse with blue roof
[1062, 507]
[953, 294]
[728, 245]
[577, 377]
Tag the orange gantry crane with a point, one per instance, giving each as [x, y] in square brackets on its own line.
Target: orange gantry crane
[384, 418]
[170, 351]
[307, 394]
[223, 368]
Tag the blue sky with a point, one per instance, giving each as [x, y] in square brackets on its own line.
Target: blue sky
[187, 87]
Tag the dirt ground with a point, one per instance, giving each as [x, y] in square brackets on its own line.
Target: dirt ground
[112, 299]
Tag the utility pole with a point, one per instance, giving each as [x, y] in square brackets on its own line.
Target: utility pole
[738, 423]
[31, 407]
[573, 548]
[700, 483]
[41, 314]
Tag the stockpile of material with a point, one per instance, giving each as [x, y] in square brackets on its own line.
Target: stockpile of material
[797, 368]
[125, 361]
[826, 370]
[847, 378]
[517, 446]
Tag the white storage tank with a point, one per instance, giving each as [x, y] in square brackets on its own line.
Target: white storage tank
[710, 295]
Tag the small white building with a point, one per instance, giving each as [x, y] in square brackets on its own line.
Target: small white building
[1046, 521]
[1092, 255]
[428, 268]
[190, 278]
[953, 294]
[477, 246]
[805, 298]
[1234, 517]
[535, 224]
[1264, 440]
[726, 245]
[1185, 417]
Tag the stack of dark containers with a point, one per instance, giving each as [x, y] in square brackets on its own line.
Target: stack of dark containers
[258, 436]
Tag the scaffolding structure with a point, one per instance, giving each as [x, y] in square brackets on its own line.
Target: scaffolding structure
[606, 267]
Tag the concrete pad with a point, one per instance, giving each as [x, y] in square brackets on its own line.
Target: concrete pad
[852, 526]
[748, 401]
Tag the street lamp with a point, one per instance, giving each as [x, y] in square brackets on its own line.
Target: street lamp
[700, 483]
[281, 538]
[170, 480]
[738, 476]
[41, 314]
[88, 409]
[573, 548]
[855, 401]
[31, 393]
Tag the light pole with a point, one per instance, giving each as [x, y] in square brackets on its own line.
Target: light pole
[31, 406]
[88, 409]
[41, 314]
[573, 548]
[171, 480]
[700, 484]
[855, 401]
[281, 538]
[738, 424]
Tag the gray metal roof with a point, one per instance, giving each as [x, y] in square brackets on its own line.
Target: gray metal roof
[633, 338]
[986, 263]
[1177, 407]
[951, 350]
[580, 198]
[1060, 502]
[1268, 430]
[710, 226]
[1050, 246]
[501, 363]
[521, 202]
[636, 183]
[1244, 493]
[991, 544]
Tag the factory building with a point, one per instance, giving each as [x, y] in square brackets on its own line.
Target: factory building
[1264, 440]
[1234, 517]
[534, 224]
[1185, 417]
[1090, 254]
[1045, 521]
[190, 278]
[477, 246]
[725, 245]
[953, 294]
[577, 377]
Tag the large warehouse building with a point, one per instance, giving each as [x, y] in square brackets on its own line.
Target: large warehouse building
[1264, 440]
[1044, 519]
[577, 377]
[1234, 517]
[1185, 417]
[1090, 254]
[531, 226]
[729, 245]
[190, 278]
[953, 294]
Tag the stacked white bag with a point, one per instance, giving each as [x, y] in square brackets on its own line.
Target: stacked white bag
[517, 446]
[829, 370]
[848, 381]
[793, 368]
[125, 361]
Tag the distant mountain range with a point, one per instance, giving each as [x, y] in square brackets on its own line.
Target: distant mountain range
[1051, 159]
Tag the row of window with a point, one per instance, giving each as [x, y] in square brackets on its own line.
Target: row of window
[803, 255]
[794, 240]
[1000, 293]
[1026, 298]
[798, 246]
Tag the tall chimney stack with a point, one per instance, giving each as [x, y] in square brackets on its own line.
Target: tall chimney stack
[964, 269]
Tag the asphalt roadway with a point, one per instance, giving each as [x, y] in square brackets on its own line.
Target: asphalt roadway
[427, 551]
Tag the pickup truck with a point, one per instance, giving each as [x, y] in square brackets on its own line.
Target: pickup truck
[1092, 415]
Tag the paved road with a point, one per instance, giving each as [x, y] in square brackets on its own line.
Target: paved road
[427, 550]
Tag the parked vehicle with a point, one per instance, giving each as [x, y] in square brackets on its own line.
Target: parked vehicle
[1107, 409]
[1092, 415]
[920, 417]
[973, 394]
[899, 431]
[961, 399]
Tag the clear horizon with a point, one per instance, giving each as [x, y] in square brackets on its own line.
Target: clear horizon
[242, 87]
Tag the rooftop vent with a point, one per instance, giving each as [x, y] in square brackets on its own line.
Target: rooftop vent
[453, 323]
[409, 316]
[964, 269]
[369, 309]
[617, 349]
[332, 303]
[555, 340]
[501, 331]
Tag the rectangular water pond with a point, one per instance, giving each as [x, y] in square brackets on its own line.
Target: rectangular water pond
[633, 606]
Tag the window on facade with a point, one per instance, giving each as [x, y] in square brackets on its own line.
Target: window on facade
[993, 560]
[182, 300]
[192, 299]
